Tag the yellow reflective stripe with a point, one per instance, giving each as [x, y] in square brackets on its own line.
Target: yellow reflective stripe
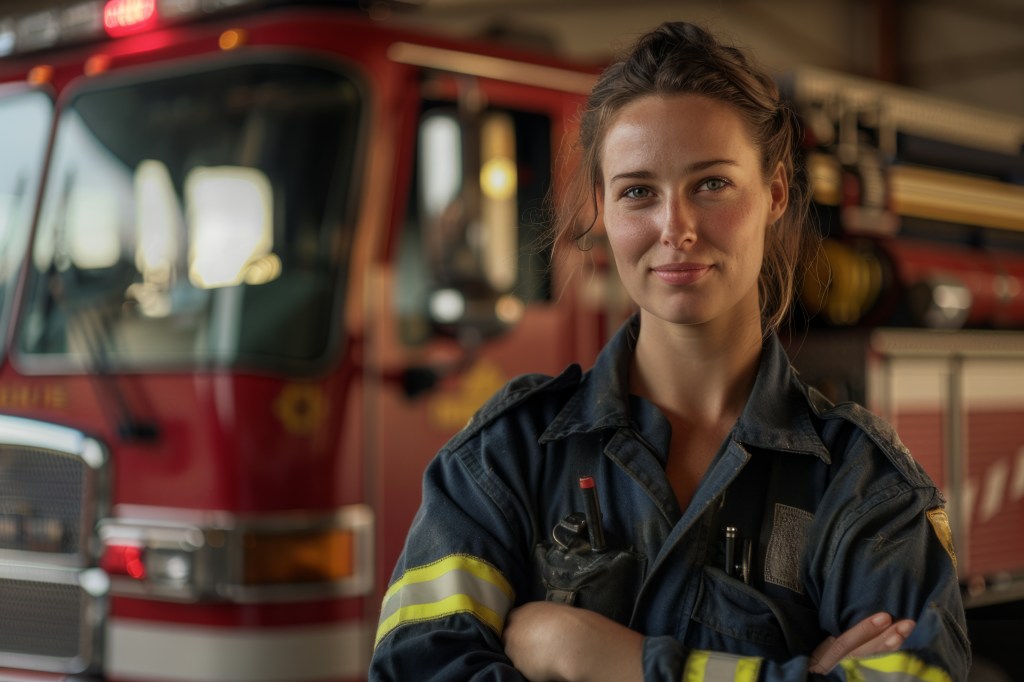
[696, 663]
[747, 669]
[711, 666]
[900, 666]
[457, 583]
[457, 603]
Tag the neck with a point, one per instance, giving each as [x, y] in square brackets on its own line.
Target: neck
[698, 374]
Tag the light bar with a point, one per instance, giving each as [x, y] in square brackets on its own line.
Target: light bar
[86, 21]
[124, 17]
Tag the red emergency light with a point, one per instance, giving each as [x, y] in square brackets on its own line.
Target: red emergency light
[124, 560]
[124, 17]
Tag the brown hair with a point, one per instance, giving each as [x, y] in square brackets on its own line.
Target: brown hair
[681, 58]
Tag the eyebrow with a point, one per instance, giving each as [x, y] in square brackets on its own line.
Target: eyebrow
[694, 167]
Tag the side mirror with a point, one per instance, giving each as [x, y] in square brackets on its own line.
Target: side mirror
[470, 219]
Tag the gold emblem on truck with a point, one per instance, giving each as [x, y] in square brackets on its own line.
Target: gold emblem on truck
[301, 408]
[450, 411]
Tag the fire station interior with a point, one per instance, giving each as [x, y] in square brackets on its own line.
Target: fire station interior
[263, 145]
[967, 52]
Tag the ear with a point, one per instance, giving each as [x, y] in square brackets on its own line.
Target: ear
[778, 187]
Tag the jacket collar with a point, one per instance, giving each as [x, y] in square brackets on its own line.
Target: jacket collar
[600, 402]
[777, 416]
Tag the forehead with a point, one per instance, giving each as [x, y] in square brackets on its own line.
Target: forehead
[686, 127]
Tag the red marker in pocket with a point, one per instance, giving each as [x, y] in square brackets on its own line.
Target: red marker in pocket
[592, 509]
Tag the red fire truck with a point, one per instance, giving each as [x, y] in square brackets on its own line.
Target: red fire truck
[261, 294]
[259, 260]
[916, 309]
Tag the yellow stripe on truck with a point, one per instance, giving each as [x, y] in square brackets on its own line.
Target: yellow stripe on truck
[458, 583]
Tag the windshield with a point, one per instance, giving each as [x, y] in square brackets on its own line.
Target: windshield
[197, 219]
[25, 118]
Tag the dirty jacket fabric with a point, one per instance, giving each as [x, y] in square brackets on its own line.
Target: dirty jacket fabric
[830, 521]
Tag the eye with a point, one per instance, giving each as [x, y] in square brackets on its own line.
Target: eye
[637, 193]
[713, 184]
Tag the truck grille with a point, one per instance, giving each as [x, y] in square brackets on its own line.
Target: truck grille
[53, 490]
[42, 502]
[39, 619]
[50, 622]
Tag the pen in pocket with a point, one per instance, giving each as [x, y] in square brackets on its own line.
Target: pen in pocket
[737, 567]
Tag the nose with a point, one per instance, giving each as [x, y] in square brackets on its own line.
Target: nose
[679, 226]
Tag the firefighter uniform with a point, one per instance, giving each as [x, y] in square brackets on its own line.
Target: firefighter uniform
[811, 517]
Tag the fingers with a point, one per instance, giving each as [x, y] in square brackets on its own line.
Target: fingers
[873, 635]
[890, 639]
[818, 662]
[835, 649]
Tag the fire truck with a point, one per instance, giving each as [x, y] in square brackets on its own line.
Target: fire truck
[260, 260]
[914, 307]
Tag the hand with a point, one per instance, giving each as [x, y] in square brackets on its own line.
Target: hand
[549, 642]
[876, 634]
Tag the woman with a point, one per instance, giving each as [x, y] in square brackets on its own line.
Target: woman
[686, 509]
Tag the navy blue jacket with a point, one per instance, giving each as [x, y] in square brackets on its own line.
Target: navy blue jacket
[830, 517]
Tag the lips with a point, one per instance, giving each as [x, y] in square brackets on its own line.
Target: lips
[678, 274]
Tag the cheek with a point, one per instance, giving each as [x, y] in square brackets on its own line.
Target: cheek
[628, 241]
[619, 232]
[748, 246]
[739, 227]
[627, 236]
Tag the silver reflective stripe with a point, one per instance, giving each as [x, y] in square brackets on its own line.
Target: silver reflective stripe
[720, 668]
[454, 582]
[711, 666]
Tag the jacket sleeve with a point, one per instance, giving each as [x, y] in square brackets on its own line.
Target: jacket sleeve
[892, 552]
[443, 614]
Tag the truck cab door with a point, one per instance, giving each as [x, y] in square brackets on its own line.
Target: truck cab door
[469, 295]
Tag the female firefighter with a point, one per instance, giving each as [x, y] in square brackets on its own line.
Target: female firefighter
[687, 508]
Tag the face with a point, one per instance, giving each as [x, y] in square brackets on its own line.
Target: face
[686, 206]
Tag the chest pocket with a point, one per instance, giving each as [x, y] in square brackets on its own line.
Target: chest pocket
[605, 581]
[736, 618]
[769, 511]
[761, 606]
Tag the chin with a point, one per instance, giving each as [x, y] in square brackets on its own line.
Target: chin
[688, 318]
[694, 316]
